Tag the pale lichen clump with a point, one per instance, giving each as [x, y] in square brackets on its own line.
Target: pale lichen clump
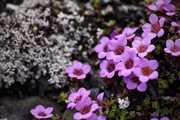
[38, 43]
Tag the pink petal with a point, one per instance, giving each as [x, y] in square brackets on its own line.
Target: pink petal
[102, 73]
[167, 50]
[161, 21]
[102, 55]
[40, 108]
[94, 107]
[136, 43]
[153, 64]
[77, 64]
[104, 40]
[143, 79]
[147, 27]
[176, 53]
[86, 68]
[77, 116]
[142, 87]
[160, 33]
[99, 48]
[137, 71]
[154, 75]
[151, 48]
[69, 69]
[81, 77]
[169, 44]
[153, 19]
[100, 96]
[49, 110]
[71, 105]
[152, 7]
[110, 75]
[170, 13]
[167, 1]
[177, 43]
[125, 72]
[103, 64]
[131, 85]
[164, 118]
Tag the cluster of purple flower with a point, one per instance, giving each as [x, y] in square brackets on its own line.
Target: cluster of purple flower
[85, 107]
[164, 6]
[130, 62]
[126, 53]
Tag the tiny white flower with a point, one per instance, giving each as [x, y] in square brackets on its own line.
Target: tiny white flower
[123, 102]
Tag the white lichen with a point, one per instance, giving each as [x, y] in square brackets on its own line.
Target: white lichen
[36, 44]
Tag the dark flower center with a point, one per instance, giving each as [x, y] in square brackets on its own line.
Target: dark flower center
[147, 71]
[119, 50]
[78, 72]
[42, 114]
[142, 48]
[105, 49]
[135, 79]
[156, 27]
[175, 49]
[78, 99]
[85, 109]
[129, 63]
[110, 67]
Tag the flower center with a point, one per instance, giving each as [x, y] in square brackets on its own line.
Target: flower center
[85, 109]
[78, 99]
[42, 114]
[129, 63]
[78, 72]
[119, 50]
[142, 48]
[135, 79]
[105, 49]
[147, 71]
[156, 27]
[110, 67]
[175, 48]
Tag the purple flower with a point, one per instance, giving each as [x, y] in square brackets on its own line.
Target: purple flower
[128, 62]
[164, 118]
[173, 47]
[176, 25]
[142, 45]
[102, 48]
[85, 108]
[40, 112]
[154, 119]
[163, 5]
[76, 97]
[146, 70]
[117, 48]
[95, 117]
[133, 82]
[155, 25]
[129, 33]
[78, 70]
[108, 68]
